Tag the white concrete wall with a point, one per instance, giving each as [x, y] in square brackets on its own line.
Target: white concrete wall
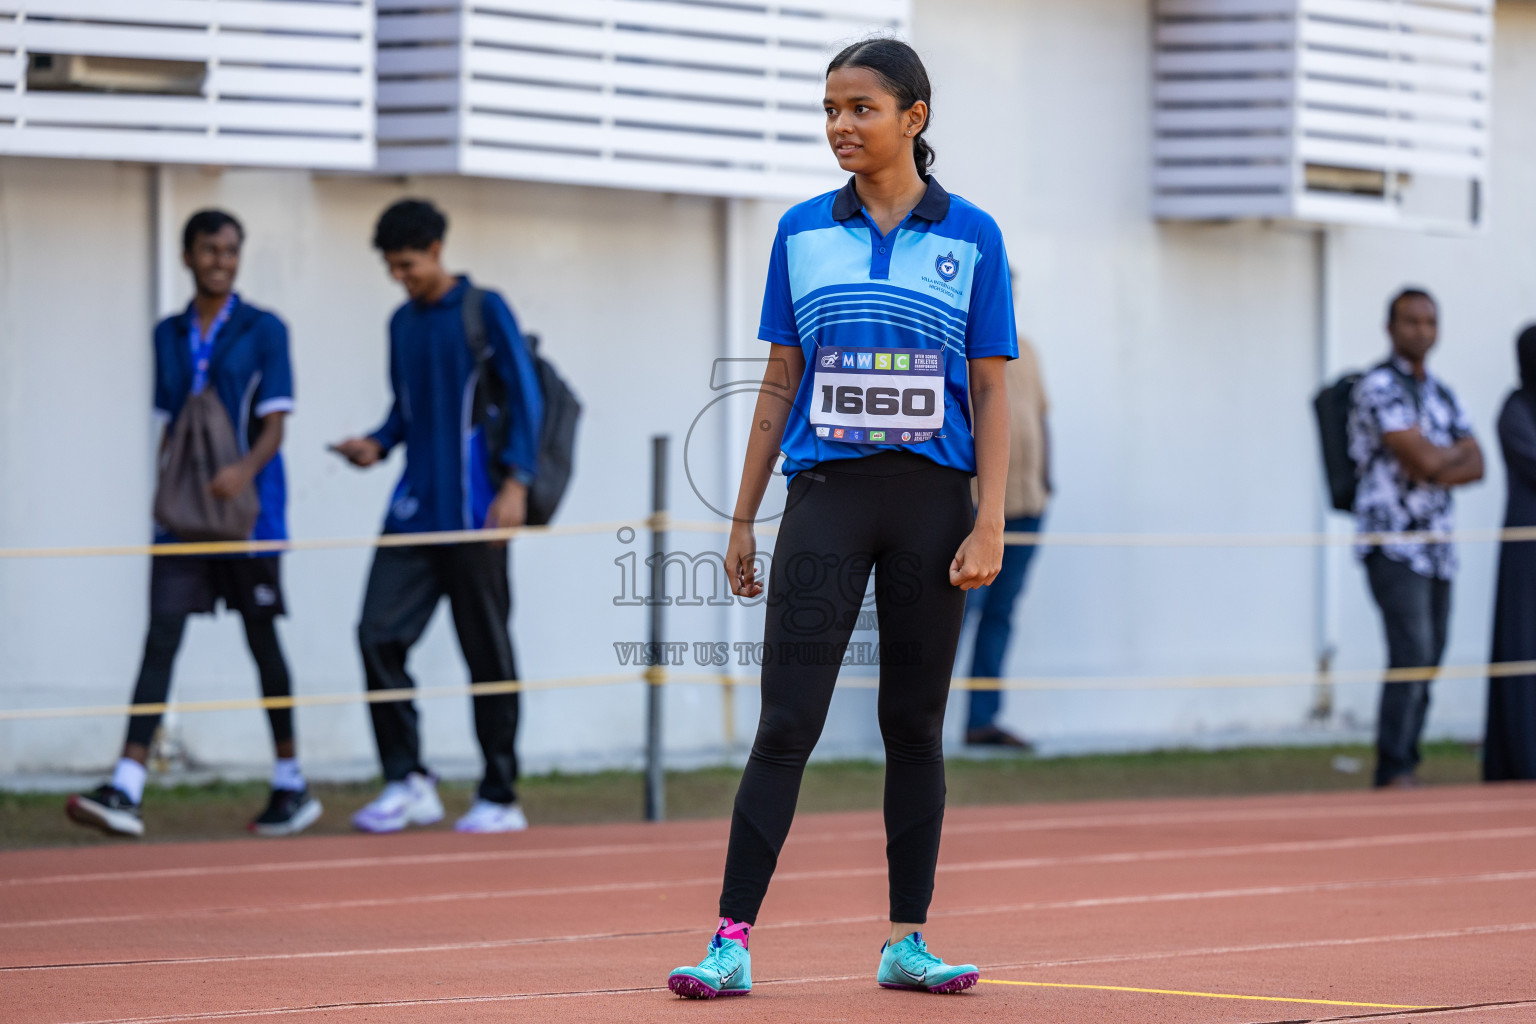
[625, 289]
[1180, 359]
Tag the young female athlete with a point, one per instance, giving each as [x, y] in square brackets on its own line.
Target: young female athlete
[889, 309]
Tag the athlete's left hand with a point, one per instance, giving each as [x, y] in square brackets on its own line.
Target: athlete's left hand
[230, 481]
[509, 508]
[980, 557]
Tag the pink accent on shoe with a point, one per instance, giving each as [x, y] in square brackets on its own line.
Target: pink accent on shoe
[959, 983]
[738, 930]
[693, 988]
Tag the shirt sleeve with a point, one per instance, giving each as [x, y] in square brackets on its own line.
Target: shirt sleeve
[525, 398]
[392, 432]
[990, 329]
[778, 321]
[275, 392]
[1384, 400]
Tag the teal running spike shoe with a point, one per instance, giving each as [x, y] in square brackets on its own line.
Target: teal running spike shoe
[725, 971]
[908, 964]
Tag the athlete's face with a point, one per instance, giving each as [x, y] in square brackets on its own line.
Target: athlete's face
[1414, 327]
[418, 271]
[866, 127]
[214, 260]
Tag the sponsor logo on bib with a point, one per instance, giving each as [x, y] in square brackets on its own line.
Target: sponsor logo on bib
[878, 396]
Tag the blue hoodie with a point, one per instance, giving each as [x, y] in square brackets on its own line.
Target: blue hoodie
[446, 484]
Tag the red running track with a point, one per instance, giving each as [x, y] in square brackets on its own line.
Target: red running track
[1281, 909]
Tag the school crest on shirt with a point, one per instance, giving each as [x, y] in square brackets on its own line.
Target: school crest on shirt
[947, 266]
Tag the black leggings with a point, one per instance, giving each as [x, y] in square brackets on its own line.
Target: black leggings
[902, 516]
[160, 646]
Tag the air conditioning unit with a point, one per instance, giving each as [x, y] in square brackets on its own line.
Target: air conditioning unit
[1323, 111]
[714, 97]
[258, 83]
[75, 72]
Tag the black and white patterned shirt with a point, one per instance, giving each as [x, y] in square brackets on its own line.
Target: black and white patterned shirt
[1388, 501]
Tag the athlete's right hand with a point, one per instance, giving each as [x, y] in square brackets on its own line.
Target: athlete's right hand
[741, 561]
[360, 451]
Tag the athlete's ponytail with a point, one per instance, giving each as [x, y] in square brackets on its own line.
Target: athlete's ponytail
[901, 70]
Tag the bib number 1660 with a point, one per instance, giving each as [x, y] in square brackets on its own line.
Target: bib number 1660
[852, 400]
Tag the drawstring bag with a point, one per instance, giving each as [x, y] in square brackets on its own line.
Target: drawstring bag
[202, 442]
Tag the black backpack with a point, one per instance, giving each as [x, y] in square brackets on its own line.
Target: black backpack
[557, 432]
[1332, 406]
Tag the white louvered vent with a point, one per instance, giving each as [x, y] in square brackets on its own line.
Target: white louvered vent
[253, 82]
[1330, 111]
[707, 96]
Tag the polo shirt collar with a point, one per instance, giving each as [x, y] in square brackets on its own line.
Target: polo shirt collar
[1405, 367]
[934, 206]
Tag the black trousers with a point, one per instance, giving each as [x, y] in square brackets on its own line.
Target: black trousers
[160, 646]
[903, 517]
[1416, 614]
[404, 587]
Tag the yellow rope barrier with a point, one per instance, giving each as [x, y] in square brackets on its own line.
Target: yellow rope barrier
[320, 699]
[659, 676]
[385, 540]
[666, 522]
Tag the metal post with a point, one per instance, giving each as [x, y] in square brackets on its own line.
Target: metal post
[1325, 627]
[655, 779]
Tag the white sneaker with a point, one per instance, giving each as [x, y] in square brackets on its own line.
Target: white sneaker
[411, 802]
[485, 816]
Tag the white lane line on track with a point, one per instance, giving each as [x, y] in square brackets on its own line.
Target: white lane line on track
[1064, 823]
[1023, 863]
[1270, 947]
[277, 1011]
[382, 1004]
[1074, 904]
[1433, 1014]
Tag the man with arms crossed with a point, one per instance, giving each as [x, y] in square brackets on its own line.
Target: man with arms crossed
[1411, 442]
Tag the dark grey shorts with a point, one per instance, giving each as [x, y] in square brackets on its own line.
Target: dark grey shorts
[184, 585]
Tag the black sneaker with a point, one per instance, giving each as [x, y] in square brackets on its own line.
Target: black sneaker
[289, 812]
[108, 808]
[992, 736]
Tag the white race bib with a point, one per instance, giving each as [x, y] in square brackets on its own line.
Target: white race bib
[878, 395]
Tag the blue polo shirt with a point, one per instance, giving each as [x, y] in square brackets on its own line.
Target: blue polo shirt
[939, 281]
[446, 484]
[252, 375]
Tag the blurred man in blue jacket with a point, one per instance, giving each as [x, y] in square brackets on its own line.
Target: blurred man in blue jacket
[450, 483]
